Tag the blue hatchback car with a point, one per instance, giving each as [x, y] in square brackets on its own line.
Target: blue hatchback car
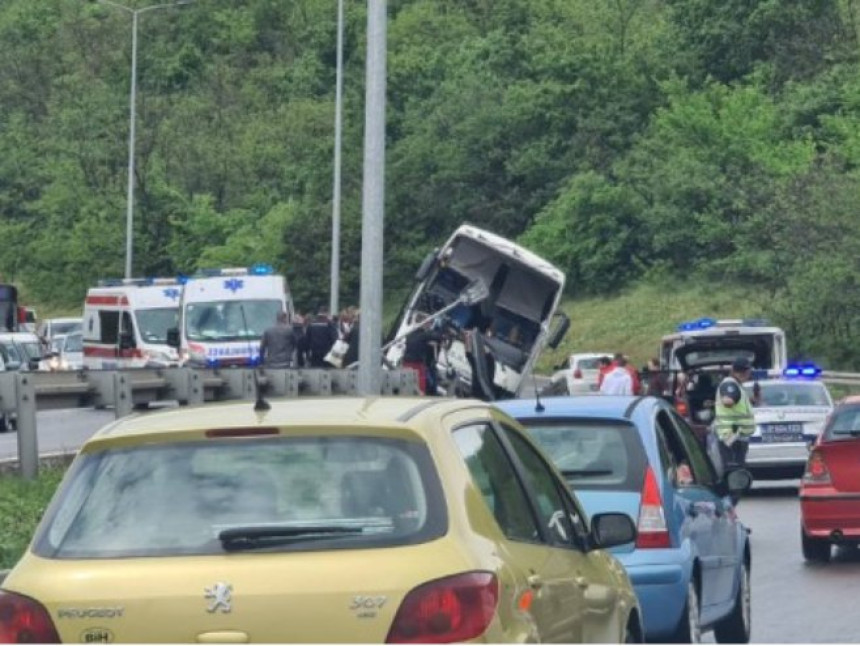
[690, 564]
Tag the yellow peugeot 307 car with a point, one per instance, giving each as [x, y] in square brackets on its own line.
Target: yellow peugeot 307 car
[319, 520]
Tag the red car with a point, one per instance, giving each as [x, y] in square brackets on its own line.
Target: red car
[830, 488]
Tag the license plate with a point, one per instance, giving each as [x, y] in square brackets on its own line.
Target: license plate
[782, 432]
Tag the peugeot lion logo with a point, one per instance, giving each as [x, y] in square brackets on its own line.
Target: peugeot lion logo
[220, 594]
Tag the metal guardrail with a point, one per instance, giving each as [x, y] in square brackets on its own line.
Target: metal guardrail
[23, 393]
[846, 378]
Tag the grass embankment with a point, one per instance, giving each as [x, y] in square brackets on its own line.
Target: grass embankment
[22, 503]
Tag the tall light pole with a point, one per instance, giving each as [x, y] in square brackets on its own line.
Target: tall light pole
[335, 206]
[373, 203]
[129, 213]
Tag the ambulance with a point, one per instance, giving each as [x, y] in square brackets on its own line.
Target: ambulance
[224, 312]
[125, 323]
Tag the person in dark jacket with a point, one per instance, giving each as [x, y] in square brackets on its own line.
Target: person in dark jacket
[321, 334]
[278, 343]
[299, 327]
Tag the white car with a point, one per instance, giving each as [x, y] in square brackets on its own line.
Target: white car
[20, 350]
[66, 353]
[579, 372]
[789, 418]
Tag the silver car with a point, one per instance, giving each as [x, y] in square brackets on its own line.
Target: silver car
[789, 417]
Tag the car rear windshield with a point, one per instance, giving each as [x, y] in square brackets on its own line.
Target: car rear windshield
[796, 394]
[588, 364]
[593, 454]
[844, 423]
[178, 498]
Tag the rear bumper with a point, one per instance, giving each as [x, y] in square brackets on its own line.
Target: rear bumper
[828, 513]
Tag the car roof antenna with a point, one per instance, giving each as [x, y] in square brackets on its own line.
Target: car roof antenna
[539, 407]
[261, 404]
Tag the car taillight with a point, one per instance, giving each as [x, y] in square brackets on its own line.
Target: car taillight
[816, 470]
[652, 530]
[577, 374]
[23, 620]
[682, 408]
[453, 609]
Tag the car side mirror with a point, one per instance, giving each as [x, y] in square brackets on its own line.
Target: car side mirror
[427, 265]
[611, 529]
[173, 337]
[735, 483]
[557, 333]
[126, 341]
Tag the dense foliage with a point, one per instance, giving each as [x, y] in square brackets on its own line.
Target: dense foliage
[710, 139]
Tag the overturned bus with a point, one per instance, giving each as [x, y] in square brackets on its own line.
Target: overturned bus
[495, 306]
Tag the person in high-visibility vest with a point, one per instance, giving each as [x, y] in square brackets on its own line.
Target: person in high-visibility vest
[734, 421]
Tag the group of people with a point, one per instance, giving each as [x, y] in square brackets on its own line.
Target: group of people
[307, 341]
[617, 376]
[733, 419]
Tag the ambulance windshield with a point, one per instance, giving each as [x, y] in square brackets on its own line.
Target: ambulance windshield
[154, 323]
[224, 320]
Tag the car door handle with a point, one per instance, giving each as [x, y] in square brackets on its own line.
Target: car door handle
[535, 582]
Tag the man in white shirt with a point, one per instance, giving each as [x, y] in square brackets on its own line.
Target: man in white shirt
[618, 381]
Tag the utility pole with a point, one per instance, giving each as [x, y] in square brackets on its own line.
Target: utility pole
[335, 206]
[373, 204]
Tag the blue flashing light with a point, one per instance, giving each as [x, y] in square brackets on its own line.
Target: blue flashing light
[182, 279]
[809, 371]
[699, 324]
[261, 269]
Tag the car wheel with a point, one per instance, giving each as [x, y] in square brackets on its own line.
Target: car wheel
[736, 628]
[689, 630]
[815, 550]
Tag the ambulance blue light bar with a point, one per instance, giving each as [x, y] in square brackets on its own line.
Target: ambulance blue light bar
[810, 371]
[257, 269]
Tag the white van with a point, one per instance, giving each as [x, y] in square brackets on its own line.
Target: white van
[125, 323]
[224, 312]
[481, 282]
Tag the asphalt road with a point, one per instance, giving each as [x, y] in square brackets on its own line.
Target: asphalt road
[792, 602]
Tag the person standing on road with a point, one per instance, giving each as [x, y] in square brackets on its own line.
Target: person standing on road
[618, 381]
[321, 335]
[278, 343]
[734, 421]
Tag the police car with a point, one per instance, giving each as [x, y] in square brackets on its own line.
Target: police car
[790, 414]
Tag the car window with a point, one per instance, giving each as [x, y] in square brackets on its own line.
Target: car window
[14, 355]
[494, 475]
[679, 466]
[796, 394]
[588, 364]
[561, 524]
[176, 498]
[703, 470]
[593, 453]
[845, 420]
[108, 326]
[74, 343]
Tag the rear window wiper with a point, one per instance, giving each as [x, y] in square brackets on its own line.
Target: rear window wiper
[262, 536]
[575, 473]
